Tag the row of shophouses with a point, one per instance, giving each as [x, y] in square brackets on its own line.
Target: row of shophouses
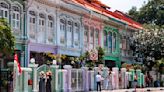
[68, 27]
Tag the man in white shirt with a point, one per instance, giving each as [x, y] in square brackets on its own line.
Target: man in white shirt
[98, 80]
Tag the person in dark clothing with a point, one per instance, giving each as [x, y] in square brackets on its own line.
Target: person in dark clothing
[48, 83]
[11, 82]
[42, 82]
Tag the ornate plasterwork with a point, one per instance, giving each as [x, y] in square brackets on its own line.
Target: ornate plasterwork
[47, 2]
[92, 23]
[46, 10]
[16, 31]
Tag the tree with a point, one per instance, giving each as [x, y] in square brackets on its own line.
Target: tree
[101, 54]
[152, 12]
[133, 13]
[148, 45]
[6, 38]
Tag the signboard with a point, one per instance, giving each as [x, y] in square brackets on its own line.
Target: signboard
[93, 54]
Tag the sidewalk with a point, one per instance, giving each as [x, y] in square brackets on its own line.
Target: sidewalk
[160, 89]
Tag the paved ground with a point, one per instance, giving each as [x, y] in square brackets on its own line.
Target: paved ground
[138, 90]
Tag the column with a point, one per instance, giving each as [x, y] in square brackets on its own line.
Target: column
[34, 70]
[138, 71]
[25, 81]
[68, 68]
[54, 79]
[15, 79]
[132, 74]
[65, 85]
[85, 79]
[113, 80]
[116, 77]
[123, 77]
[60, 79]
[93, 77]
[143, 80]
[127, 79]
[105, 74]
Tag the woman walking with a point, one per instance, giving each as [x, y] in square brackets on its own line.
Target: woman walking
[110, 81]
[42, 82]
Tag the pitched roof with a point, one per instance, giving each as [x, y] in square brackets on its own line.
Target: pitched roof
[97, 6]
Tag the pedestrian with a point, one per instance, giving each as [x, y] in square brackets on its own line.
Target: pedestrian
[110, 80]
[11, 82]
[98, 80]
[42, 87]
[135, 81]
[107, 82]
[48, 83]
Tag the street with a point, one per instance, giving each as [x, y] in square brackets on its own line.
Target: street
[160, 89]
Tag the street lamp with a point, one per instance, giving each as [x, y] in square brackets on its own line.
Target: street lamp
[32, 60]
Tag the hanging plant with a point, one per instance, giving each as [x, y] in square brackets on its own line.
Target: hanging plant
[76, 59]
[50, 55]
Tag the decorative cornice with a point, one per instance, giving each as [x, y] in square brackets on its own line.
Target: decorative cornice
[46, 2]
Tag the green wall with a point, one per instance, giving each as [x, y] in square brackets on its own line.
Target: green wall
[114, 55]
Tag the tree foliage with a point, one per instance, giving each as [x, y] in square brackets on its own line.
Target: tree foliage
[152, 12]
[6, 38]
[148, 45]
[101, 54]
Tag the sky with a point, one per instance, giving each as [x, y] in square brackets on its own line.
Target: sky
[123, 5]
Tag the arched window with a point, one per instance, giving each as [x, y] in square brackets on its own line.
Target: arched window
[32, 24]
[69, 33]
[96, 37]
[41, 31]
[62, 31]
[4, 10]
[16, 17]
[114, 41]
[91, 37]
[50, 32]
[77, 34]
[110, 41]
[86, 38]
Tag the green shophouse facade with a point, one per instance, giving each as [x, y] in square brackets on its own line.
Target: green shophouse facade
[14, 12]
[111, 43]
[116, 42]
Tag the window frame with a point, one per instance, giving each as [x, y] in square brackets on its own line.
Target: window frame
[16, 20]
[51, 28]
[32, 23]
[114, 42]
[5, 10]
[76, 33]
[62, 30]
[69, 33]
[96, 37]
